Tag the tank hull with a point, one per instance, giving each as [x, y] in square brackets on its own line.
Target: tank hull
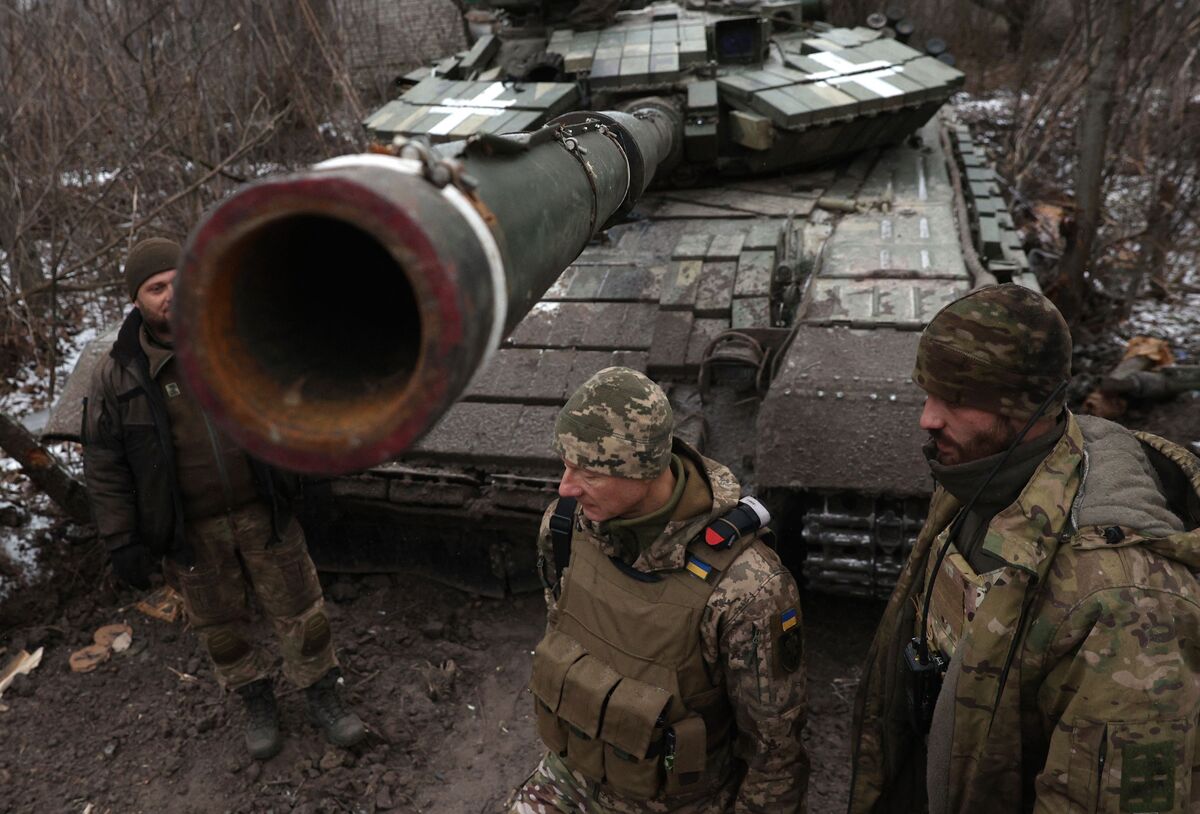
[812, 214]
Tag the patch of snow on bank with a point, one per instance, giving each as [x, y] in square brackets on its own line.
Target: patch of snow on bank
[20, 542]
[1177, 321]
[86, 178]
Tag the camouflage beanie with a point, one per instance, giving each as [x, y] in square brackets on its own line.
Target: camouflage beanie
[149, 257]
[617, 423]
[1000, 348]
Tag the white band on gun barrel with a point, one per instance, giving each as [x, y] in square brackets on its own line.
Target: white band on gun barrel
[764, 516]
[455, 197]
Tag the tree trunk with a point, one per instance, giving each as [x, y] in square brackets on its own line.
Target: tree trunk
[44, 469]
[1099, 100]
[1159, 236]
[1016, 32]
[1016, 15]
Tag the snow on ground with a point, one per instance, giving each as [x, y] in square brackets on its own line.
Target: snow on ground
[1177, 320]
[28, 392]
[89, 178]
[26, 513]
[995, 109]
[20, 542]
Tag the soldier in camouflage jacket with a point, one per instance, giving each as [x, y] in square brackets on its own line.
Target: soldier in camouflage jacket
[729, 663]
[1075, 678]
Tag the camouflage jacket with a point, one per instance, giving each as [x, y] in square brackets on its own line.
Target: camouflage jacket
[1080, 687]
[738, 643]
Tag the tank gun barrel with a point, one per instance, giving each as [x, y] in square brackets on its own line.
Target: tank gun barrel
[328, 318]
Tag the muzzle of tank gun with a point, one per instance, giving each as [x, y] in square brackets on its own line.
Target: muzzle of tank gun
[327, 319]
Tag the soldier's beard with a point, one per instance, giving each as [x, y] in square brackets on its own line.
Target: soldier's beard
[161, 328]
[985, 442]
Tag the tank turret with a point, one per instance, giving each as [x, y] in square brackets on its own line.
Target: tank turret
[762, 85]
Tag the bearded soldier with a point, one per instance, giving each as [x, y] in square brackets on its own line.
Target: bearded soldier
[166, 485]
[670, 676]
[1039, 650]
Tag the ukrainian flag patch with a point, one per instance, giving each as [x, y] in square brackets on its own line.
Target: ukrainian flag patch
[788, 619]
[698, 568]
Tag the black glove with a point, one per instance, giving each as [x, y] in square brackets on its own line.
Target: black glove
[131, 564]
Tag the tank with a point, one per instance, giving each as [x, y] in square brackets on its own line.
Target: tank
[763, 219]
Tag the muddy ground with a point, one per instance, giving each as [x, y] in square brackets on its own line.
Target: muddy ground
[438, 675]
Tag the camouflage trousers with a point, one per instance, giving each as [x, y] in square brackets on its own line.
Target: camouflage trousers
[233, 555]
[555, 789]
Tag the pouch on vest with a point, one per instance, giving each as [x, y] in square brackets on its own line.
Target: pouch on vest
[687, 748]
[586, 688]
[630, 777]
[550, 728]
[633, 733]
[554, 656]
[958, 593]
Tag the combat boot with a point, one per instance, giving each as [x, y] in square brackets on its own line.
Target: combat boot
[327, 710]
[262, 719]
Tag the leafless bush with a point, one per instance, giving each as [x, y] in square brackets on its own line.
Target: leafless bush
[1106, 129]
[992, 36]
[121, 120]
[1097, 135]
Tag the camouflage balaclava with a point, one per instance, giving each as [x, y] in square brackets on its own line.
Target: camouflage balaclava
[1000, 348]
[617, 423]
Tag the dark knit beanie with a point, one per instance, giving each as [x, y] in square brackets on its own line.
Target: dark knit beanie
[149, 257]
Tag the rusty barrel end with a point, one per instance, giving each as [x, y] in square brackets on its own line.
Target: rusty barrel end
[316, 318]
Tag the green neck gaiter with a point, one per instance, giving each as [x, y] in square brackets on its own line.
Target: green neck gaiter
[632, 535]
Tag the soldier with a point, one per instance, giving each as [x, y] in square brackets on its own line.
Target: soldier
[1038, 652]
[165, 483]
[670, 675]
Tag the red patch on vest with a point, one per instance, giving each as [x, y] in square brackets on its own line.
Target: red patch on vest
[713, 537]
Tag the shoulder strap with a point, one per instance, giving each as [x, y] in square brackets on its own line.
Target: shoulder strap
[562, 527]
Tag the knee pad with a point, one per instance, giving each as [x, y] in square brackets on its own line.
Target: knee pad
[317, 635]
[226, 647]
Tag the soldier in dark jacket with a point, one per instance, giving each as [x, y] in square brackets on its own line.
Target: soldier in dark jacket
[166, 484]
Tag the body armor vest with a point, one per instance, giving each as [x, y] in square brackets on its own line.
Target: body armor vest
[958, 593]
[621, 690]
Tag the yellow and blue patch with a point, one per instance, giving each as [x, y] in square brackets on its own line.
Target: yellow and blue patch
[698, 568]
[791, 642]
